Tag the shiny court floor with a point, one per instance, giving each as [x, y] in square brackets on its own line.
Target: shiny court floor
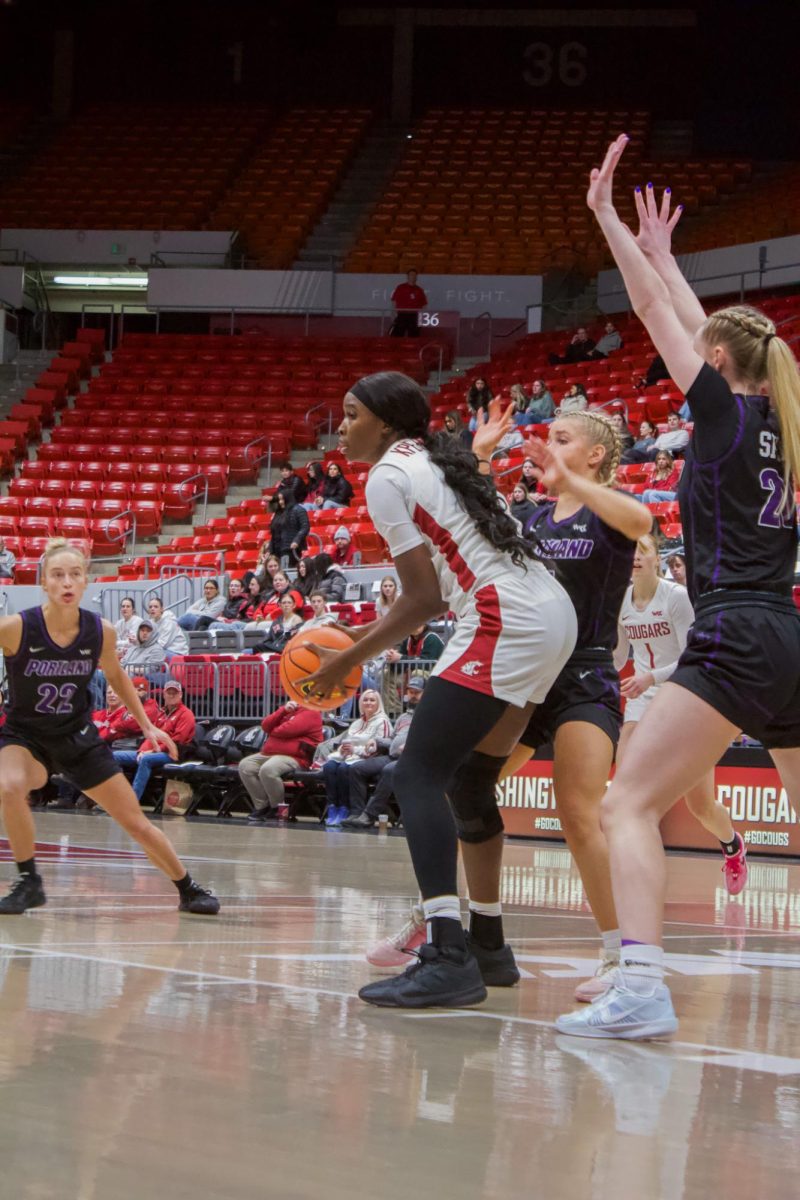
[143, 1053]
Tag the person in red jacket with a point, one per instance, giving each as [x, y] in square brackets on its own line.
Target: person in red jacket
[345, 551]
[116, 721]
[292, 733]
[178, 721]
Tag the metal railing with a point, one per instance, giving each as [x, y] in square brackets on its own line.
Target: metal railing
[742, 276]
[168, 571]
[315, 408]
[258, 459]
[106, 309]
[433, 346]
[171, 587]
[203, 491]
[489, 332]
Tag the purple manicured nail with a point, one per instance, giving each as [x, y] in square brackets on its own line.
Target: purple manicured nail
[649, 185]
[668, 191]
[638, 188]
[680, 206]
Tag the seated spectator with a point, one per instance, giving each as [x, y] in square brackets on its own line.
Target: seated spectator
[387, 594]
[125, 628]
[421, 644]
[175, 719]
[316, 481]
[454, 425]
[116, 721]
[620, 424]
[363, 815]
[359, 741]
[578, 349]
[8, 561]
[270, 606]
[520, 400]
[337, 492]
[232, 609]
[322, 615]
[575, 400]
[522, 506]
[644, 441]
[328, 579]
[266, 565]
[608, 343]
[664, 480]
[288, 529]
[304, 578]
[207, 609]
[292, 735]
[166, 628]
[345, 551]
[540, 407]
[677, 566]
[478, 395]
[655, 373]
[251, 604]
[676, 438]
[148, 651]
[283, 628]
[530, 476]
[290, 484]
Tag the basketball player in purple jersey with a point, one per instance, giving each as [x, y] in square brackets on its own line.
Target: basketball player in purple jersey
[740, 670]
[51, 654]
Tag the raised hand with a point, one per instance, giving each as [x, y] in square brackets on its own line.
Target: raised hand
[655, 223]
[547, 457]
[489, 433]
[601, 179]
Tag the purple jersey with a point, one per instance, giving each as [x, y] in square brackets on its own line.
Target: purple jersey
[48, 685]
[592, 562]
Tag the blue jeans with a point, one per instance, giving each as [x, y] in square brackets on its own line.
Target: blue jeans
[145, 765]
[189, 620]
[337, 782]
[333, 504]
[655, 496]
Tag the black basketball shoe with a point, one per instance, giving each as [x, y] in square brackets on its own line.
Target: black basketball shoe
[198, 900]
[498, 967]
[443, 977]
[26, 893]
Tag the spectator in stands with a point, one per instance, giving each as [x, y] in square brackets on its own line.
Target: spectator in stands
[676, 438]
[117, 721]
[316, 480]
[207, 609]
[292, 735]
[289, 528]
[387, 594]
[166, 628]
[363, 815]
[232, 610]
[522, 506]
[175, 719]
[454, 425]
[608, 343]
[148, 651]
[664, 480]
[578, 349]
[621, 426]
[328, 579]
[421, 644]
[8, 561]
[408, 298]
[478, 395]
[540, 407]
[655, 373]
[125, 628]
[304, 578]
[530, 476]
[645, 440]
[337, 491]
[270, 606]
[359, 741]
[290, 484]
[322, 615]
[575, 400]
[677, 565]
[519, 398]
[266, 565]
[345, 551]
[283, 628]
[251, 608]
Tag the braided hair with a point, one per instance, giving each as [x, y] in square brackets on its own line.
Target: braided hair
[402, 405]
[600, 431]
[758, 355]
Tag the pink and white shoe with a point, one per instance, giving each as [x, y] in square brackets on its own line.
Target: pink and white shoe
[603, 978]
[394, 950]
[734, 868]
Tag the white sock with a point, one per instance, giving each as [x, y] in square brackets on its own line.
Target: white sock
[448, 907]
[486, 910]
[612, 943]
[642, 967]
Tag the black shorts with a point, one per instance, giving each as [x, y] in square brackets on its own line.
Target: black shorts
[81, 757]
[742, 657]
[587, 689]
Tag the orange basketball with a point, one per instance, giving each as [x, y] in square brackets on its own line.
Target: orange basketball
[299, 660]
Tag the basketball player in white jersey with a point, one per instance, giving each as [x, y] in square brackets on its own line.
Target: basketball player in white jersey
[654, 622]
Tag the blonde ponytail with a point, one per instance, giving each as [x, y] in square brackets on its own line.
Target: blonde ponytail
[783, 379]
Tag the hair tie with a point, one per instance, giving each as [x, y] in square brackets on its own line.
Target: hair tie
[768, 338]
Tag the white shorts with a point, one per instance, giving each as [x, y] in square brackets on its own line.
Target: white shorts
[514, 638]
[635, 709]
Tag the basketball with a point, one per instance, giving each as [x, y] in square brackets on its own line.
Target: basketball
[299, 660]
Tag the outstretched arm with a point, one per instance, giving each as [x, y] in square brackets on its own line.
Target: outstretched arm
[648, 292]
[655, 240]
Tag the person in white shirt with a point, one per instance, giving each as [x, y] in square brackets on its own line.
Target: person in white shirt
[654, 623]
[321, 614]
[676, 439]
[455, 547]
[127, 625]
[168, 633]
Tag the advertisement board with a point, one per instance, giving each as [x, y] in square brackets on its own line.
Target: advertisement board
[758, 804]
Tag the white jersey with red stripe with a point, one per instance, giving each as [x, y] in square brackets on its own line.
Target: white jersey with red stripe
[657, 636]
[516, 624]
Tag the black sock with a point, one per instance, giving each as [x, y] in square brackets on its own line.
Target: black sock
[486, 931]
[446, 932]
[28, 867]
[730, 848]
[184, 885]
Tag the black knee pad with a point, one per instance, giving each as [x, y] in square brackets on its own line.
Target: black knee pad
[473, 798]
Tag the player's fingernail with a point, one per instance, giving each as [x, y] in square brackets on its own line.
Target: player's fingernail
[638, 188]
[668, 191]
[680, 207]
[649, 185]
